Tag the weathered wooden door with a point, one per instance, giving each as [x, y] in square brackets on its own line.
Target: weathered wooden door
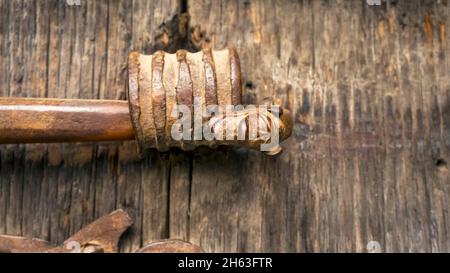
[369, 87]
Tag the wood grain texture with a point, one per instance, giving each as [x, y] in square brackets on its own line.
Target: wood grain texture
[368, 87]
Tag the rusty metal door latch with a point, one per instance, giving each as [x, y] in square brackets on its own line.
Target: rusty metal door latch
[100, 236]
[159, 86]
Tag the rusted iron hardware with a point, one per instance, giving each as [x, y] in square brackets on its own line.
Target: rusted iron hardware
[157, 86]
[101, 236]
[160, 82]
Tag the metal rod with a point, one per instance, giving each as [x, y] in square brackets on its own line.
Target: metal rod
[26, 120]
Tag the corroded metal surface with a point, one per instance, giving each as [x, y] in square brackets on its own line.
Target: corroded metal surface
[15, 244]
[158, 83]
[25, 120]
[100, 236]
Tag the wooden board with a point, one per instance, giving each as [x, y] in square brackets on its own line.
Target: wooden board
[369, 87]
